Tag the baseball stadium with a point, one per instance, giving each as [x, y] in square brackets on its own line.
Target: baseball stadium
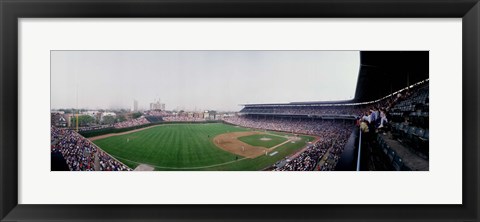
[385, 127]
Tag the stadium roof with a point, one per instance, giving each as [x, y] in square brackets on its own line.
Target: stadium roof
[382, 73]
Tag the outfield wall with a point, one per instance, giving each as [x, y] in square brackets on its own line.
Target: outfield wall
[100, 132]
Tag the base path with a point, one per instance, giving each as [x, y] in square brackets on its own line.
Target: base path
[144, 167]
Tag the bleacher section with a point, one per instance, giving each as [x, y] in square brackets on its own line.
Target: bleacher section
[406, 145]
[399, 157]
[79, 154]
[415, 107]
[410, 121]
[154, 119]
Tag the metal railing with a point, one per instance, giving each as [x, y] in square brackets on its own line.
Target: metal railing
[359, 149]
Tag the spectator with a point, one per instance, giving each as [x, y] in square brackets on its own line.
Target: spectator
[80, 154]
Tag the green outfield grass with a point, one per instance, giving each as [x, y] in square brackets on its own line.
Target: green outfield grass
[256, 140]
[188, 147]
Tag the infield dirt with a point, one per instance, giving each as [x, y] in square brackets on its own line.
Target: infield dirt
[230, 142]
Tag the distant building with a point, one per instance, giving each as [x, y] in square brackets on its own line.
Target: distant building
[58, 120]
[55, 111]
[225, 115]
[107, 114]
[92, 113]
[69, 117]
[210, 115]
[156, 105]
[182, 113]
[135, 105]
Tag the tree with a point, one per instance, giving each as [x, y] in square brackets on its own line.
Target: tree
[121, 118]
[108, 120]
[83, 120]
[136, 115]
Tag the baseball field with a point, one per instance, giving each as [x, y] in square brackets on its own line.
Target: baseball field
[201, 146]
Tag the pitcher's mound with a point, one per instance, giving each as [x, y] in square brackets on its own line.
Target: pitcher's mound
[265, 139]
[144, 167]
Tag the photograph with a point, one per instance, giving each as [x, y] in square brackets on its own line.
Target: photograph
[239, 110]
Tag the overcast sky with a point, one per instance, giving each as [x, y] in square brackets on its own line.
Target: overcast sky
[217, 80]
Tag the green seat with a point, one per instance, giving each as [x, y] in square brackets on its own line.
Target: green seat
[391, 154]
[397, 163]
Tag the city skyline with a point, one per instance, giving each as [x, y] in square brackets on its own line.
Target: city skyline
[199, 80]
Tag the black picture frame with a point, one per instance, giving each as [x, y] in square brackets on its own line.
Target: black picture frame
[11, 11]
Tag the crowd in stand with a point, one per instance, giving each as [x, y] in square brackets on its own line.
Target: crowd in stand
[347, 110]
[325, 110]
[302, 126]
[159, 113]
[337, 145]
[304, 110]
[377, 116]
[333, 138]
[107, 163]
[80, 154]
[403, 117]
[132, 123]
[90, 128]
[326, 152]
[183, 119]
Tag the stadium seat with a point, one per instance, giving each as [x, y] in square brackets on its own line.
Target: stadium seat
[423, 143]
[418, 134]
[385, 148]
[398, 129]
[391, 154]
[404, 133]
[410, 136]
[397, 163]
